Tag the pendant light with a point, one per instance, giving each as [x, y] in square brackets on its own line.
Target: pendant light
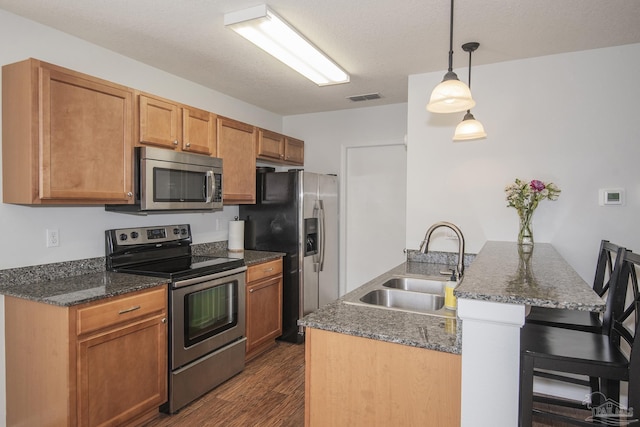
[469, 128]
[451, 95]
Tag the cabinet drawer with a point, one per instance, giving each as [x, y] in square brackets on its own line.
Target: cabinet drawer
[120, 309]
[265, 269]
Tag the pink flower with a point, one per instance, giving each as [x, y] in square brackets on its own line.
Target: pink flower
[536, 185]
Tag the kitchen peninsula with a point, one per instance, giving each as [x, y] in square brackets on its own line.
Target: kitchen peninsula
[367, 365]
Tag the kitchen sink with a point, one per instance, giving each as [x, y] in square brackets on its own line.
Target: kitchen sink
[404, 300]
[416, 285]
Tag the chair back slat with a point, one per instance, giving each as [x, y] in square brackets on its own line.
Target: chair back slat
[604, 266]
[625, 324]
[613, 305]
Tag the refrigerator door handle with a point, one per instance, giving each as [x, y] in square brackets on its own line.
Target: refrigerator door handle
[321, 233]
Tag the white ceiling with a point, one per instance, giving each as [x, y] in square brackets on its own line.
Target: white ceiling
[379, 42]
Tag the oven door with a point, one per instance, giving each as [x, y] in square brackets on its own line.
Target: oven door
[166, 185]
[206, 313]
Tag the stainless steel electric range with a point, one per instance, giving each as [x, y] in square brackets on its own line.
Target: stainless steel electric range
[206, 305]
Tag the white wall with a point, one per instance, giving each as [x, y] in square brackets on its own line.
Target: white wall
[327, 134]
[328, 137]
[570, 119]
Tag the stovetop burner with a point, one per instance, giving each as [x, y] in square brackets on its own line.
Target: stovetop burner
[183, 267]
[161, 251]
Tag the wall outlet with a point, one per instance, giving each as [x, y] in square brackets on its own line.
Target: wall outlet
[53, 238]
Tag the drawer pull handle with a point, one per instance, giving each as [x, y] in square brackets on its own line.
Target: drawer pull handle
[266, 270]
[251, 291]
[129, 310]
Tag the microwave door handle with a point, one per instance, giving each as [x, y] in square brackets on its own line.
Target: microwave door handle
[209, 189]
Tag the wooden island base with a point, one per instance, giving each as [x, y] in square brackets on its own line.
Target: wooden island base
[363, 382]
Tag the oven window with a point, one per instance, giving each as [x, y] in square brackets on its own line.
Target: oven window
[210, 311]
[172, 185]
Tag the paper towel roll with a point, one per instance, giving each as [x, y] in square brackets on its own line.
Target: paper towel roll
[236, 236]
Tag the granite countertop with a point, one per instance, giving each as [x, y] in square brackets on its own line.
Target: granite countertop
[412, 329]
[79, 289]
[76, 282]
[506, 272]
[250, 256]
[502, 272]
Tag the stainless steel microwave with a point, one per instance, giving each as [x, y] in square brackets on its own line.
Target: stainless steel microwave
[166, 180]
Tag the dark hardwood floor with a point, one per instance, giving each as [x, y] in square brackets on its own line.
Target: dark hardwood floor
[269, 392]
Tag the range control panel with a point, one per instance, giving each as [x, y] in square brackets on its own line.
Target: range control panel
[150, 235]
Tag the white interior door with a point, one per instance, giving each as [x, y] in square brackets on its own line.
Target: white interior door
[375, 219]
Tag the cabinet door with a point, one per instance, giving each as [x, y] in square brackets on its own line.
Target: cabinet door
[264, 312]
[122, 373]
[236, 146]
[294, 151]
[198, 131]
[86, 139]
[159, 122]
[270, 145]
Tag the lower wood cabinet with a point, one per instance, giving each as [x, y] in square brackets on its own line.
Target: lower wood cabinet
[354, 381]
[97, 364]
[263, 306]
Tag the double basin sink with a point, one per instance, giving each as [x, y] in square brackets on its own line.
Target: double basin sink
[402, 293]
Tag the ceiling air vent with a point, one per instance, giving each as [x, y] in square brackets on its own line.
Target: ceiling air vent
[365, 97]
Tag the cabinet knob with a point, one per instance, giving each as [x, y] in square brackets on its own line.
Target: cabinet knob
[164, 320]
[129, 194]
[175, 142]
[251, 291]
[188, 144]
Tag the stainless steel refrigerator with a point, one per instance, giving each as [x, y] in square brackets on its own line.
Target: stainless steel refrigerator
[296, 212]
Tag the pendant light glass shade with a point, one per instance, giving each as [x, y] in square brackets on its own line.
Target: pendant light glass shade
[469, 129]
[451, 95]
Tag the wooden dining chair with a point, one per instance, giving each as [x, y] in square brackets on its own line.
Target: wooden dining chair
[576, 319]
[610, 357]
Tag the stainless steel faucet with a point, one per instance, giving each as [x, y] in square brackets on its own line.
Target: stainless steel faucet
[424, 246]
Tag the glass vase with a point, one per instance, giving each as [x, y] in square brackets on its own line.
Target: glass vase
[525, 232]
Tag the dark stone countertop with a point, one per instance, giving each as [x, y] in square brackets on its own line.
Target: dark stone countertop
[79, 289]
[502, 272]
[76, 282]
[441, 333]
[537, 276]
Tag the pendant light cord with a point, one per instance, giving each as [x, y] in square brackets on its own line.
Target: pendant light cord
[451, 40]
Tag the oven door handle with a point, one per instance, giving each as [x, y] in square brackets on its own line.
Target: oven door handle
[200, 279]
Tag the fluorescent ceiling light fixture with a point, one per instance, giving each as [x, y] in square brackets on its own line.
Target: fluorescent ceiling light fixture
[261, 26]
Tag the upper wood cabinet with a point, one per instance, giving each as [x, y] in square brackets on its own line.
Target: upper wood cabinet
[236, 146]
[276, 148]
[294, 151]
[66, 137]
[199, 131]
[270, 145]
[168, 124]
